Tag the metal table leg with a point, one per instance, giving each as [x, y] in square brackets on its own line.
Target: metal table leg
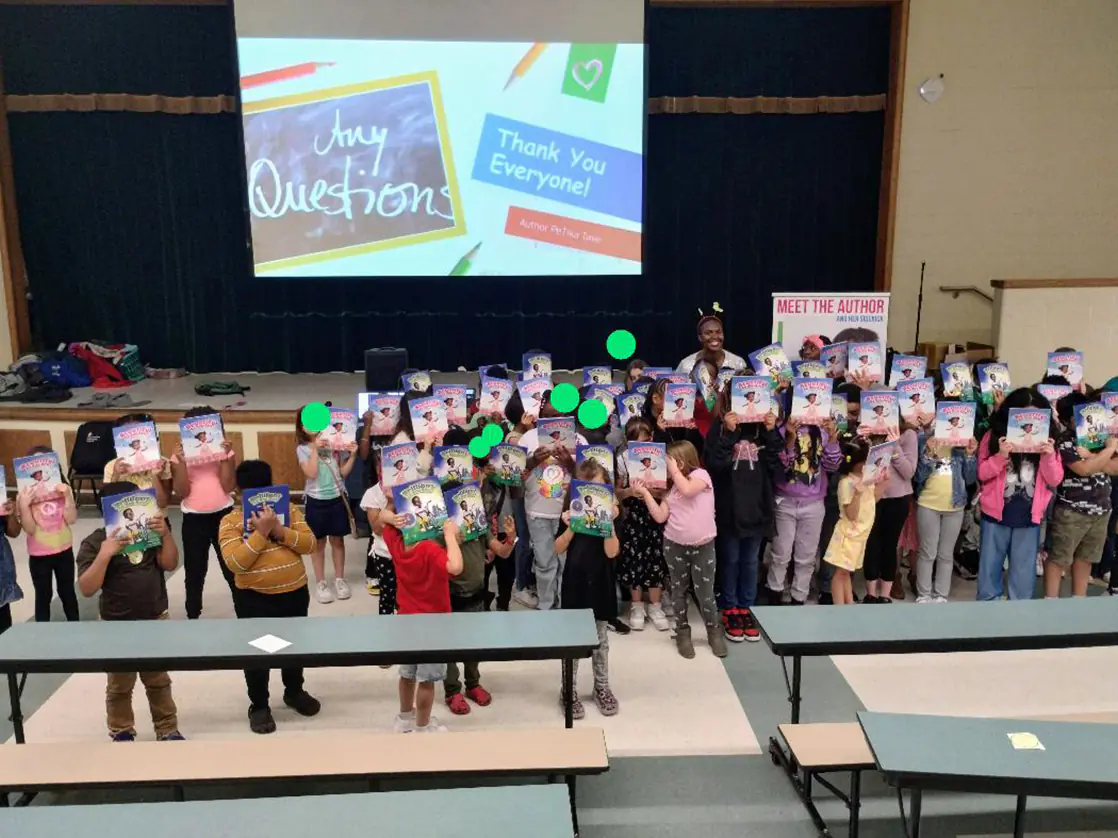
[568, 693]
[17, 711]
[914, 815]
[1019, 818]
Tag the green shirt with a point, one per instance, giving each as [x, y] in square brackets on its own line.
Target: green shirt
[471, 580]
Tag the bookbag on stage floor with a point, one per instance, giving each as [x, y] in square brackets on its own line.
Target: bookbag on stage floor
[93, 448]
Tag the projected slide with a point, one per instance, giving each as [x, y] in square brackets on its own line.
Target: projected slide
[443, 158]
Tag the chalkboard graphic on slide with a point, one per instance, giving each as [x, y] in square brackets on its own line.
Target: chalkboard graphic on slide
[350, 170]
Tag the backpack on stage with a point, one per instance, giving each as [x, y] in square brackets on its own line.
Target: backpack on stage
[93, 448]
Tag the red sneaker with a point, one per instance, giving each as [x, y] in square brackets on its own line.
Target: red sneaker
[731, 625]
[457, 704]
[479, 695]
[748, 625]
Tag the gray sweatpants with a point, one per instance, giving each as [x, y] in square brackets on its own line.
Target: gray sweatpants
[797, 540]
[547, 563]
[694, 564]
[936, 557]
[599, 659]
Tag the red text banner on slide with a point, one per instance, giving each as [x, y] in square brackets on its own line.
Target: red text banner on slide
[573, 233]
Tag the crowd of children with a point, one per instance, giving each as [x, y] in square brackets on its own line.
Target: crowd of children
[742, 493]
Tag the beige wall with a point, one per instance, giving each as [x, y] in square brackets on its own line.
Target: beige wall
[1013, 173]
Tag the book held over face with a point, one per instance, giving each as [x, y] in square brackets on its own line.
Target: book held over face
[907, 368]
[601, 454]
[531, 394]
[809, 369]
[466, 509]
[494, 395]
[865, 359]
[1028, 429]
[509, 462]
[771, 361]
[629, 406]
[604, 394]
[342, 430]
[597, 375]
[993, 382]
[275, 498]
[751, 397]
[418, 381]
[1091, 426]
[958, 383]
[137, 445]
[811, 400]
[428, 418]
[648, 463]
[840, 412]
[537, 365]
[385, 408]
[591, 508]
[833, 357]
[679, 405]
[202, 438]
[955, 423]
[1109, 402]
[879, 412]
[557, 430]
[1054, 392]
[917, 399]
[37, 471]
[399, 464]
[1067, 364]
[453, 397]
[453, 463]
[878, 462]
[128, 519]
[423, 507]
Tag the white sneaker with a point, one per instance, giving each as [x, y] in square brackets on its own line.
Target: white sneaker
[432, 726]
[939, 599]
[342, 587]
[323, 593]
[525, 597]
[636, 616]
[922, 600]
[658, 617]
[405, 722]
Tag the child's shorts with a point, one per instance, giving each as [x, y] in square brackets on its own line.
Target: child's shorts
[1077, 536]
[327, 517]
[425, 673]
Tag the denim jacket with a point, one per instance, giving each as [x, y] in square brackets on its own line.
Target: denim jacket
[9, 588]
[964, 472]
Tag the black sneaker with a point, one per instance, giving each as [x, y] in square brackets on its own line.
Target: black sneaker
[826, 599]
[260, 720]
[618, 626]
[302, 703]
[871, 600]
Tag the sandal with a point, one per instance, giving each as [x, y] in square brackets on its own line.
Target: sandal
[457, 704]
[577, 710]
[606, 701]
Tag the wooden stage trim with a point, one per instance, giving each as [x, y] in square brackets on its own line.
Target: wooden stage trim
[1021, 284]
[78, 415]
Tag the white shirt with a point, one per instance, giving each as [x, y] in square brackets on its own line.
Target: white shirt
[374, 499]
[730, 360]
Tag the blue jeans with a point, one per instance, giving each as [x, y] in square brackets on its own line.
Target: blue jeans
[548, 563]
[522, 553]
[1021, 545]
[738, 572]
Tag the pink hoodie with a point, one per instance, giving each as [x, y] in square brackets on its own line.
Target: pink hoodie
[991, 477]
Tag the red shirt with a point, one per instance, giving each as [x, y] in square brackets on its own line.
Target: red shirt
[422, 580]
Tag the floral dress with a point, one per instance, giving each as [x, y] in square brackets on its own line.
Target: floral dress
[641, 563]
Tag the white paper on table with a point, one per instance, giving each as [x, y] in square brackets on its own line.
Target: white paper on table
[269, 643]
[1025, 742]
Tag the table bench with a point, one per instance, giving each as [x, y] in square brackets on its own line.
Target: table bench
[508, 812]
[976, 756]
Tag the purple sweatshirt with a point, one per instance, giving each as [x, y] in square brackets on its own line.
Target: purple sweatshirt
[899, 483]
[816, 489]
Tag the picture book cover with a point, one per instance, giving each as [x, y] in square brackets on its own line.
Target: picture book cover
[725, 376]
[509, 462]
[705, 381]
[642, 386]
[342, 430]
[809, 369]
[597, 375]
[591, 508]
[614, 390]
[833, 357]
[751, 397]
[865, 359]
[466, 509]
[1028, 428]
[494, 396]
[1054, 392]
[138, 446]
[958, 382]
[454, 398]
[201, 439]
[993, 382]
[453, 463]
[3, 483]
[840, 412]
[876, 468]
[1109, 403]
[536, 365]
[418, 381]
[557, 430]
[428, 418]
[907, 368]
[399, 464]
[128, 519]
[679, 405]
[603, 394]
[1091, 425]
[601, 454]
[37, 470]
[657, 372]
[630, 405]
[811, 400]
[917, 399]
[424, 510]
[531, 394]
[385, 408]
[1067, 364]
[880, 412]
[955, 422]
[771, 361]
[677, 378]
[276, 498]
[647, 462]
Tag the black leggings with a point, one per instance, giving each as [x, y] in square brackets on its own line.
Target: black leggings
[881, 546]
[506, 575]
[199, 533]
[46, 571]
[382, 569]
[5, 618]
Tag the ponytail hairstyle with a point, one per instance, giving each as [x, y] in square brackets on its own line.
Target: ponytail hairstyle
[854, 452]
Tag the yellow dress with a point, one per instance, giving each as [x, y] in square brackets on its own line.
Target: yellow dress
[848, 544]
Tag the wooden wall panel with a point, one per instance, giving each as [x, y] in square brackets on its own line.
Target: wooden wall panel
[16, 444]
[278, 449]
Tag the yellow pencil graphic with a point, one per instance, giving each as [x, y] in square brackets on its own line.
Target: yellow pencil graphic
[525, 63]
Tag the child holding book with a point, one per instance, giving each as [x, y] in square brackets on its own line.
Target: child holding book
[741, 458]
[857, 504]
[688, 515]
[943, 476]
[641, 566]
[156, 475]
[131, 590]
[205, 490]
[423, 573]
[9, 588]
[46, 514]
[326, 505]
[271, 581]
[520, 422]
[634, 372]
[880, 566]
[378, 561]
[588, 582]
[1015, 492]
[831, 512]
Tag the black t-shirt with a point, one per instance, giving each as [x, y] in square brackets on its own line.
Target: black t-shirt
[1087, 495]
[131, 591]
[588, 576]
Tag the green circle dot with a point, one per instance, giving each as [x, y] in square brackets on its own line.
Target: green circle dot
[493, 434]
[479, 447]
[592, 414]
[621, 344]
[315, 417]
[564, 397]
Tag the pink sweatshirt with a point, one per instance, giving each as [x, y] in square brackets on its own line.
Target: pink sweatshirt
[991, 477]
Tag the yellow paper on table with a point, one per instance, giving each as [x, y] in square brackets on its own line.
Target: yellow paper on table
[1025, 742]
